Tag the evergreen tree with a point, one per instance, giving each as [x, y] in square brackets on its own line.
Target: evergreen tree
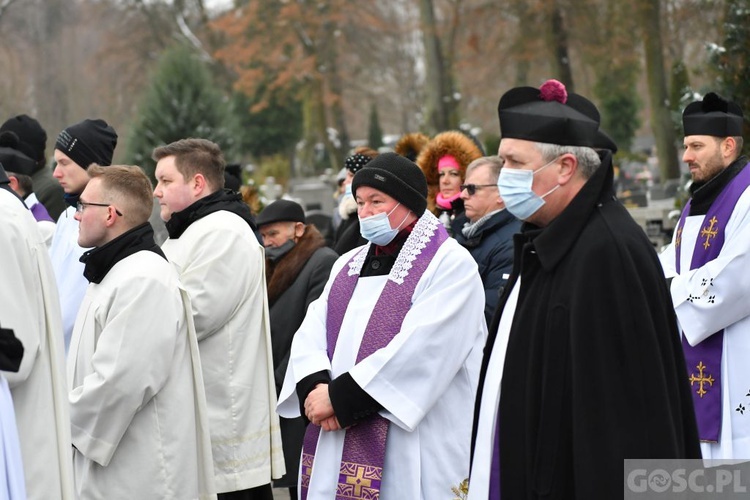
[620, 106]
[733, 58]
[273, 129]
[374, 132]
[181, 101]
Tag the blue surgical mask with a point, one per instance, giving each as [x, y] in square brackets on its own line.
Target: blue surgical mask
[377, 228]
[515, 187]
[348, 191]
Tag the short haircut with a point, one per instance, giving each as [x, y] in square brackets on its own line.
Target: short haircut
[495, 164]
[128, 187]
[25, 183]
[588, 159]
[196, 156]
[738, 141]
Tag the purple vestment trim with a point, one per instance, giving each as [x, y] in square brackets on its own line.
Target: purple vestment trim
[363, 456]
[40, 213]
[704, 360]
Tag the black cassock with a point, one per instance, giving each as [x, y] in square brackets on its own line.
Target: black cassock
[594, 371]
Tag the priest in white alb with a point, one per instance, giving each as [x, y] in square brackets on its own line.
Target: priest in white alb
[29, 305]
[709, 270]
[137, 402]
[385, 363]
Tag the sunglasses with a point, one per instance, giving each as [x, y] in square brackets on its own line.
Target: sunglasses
[472, 188]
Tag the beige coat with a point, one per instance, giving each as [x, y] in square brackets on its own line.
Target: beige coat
[221, 265]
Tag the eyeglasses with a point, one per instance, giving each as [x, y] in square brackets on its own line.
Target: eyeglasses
[472, 188]
[82, 204]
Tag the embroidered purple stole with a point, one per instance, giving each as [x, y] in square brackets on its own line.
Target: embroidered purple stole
[704, 360]
[363, 456]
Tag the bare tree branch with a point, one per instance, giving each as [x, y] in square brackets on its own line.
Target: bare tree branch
[4, 4]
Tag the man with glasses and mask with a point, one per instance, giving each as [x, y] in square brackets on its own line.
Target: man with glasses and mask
[298, 263]
[137, 407]
[488, 228]
[384, 365]
[77, 147]
[583, 366]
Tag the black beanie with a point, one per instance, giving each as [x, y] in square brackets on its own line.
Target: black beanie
[32, 139]
[397, 177]
[12, 158]
[281, 211]
[87, 142]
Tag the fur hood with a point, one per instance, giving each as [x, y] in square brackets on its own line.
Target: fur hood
[454, 143]
[410, 145]
[282, 275]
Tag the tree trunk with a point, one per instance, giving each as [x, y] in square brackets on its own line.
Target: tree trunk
[661, 123]
[435, 106]
[333, 80]
[560, 44]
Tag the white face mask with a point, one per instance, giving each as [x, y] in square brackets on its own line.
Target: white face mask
[377, 228]
[515, 187]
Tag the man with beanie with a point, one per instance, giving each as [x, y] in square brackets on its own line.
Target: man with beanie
[137, 405]
[77, 147]
[583, 367]
[33, 142]
[19, 168]
[213, 246]
[297, 267]
[385, 363]
[29, 306]
[708, 270]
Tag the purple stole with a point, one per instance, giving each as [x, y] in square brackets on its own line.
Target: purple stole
[704, 360]
[363, 457]
[40, 213]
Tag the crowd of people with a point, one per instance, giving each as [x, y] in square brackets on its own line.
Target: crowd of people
[476, 326]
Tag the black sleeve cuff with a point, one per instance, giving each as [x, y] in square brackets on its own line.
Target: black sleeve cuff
[306, 385]
[350, 402]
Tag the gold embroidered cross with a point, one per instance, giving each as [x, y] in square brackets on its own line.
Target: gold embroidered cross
[701, 379]
[678, 239]
[709, 232]
[359, 481]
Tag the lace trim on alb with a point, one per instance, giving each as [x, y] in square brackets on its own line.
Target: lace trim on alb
[424, 230]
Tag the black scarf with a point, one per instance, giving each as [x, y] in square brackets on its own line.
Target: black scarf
[705, 193]
[101, 259]
[220, 200]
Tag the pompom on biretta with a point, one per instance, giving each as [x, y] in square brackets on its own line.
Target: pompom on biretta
[553, 90]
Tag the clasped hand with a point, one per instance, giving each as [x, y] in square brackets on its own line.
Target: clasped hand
[319, 410]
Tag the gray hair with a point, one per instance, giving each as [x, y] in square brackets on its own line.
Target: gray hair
[588, 159]
[494, 162]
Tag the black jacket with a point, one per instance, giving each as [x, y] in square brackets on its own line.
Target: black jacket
[594, 370]
[492, 249]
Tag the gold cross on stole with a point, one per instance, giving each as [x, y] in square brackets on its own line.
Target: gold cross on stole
[359, 481]
[709, 232]
[701, 379]
[678, 239]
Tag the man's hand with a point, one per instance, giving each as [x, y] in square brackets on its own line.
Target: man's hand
[318, 407]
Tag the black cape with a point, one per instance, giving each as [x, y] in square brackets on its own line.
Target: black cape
[594, 371]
